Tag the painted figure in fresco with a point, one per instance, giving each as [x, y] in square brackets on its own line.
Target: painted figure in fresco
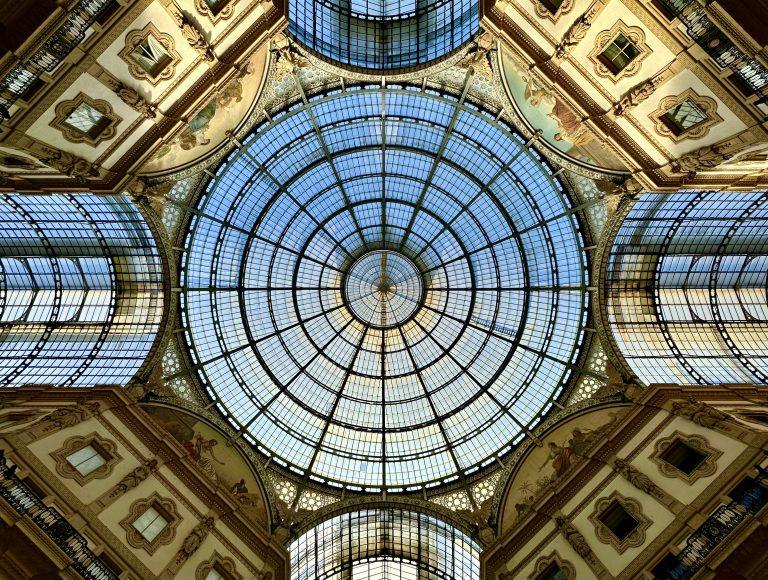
[239, 487]
[201, 451]
[560, 456]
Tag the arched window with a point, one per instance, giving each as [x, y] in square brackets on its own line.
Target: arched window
[384, 544]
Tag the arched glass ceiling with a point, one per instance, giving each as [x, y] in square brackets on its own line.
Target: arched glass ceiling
[384, 288]
[384, 544]
[383, 34]
[81, 295]
[687, 287]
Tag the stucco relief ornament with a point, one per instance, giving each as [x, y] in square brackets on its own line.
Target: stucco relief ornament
[192, 35]
[134, 478]
[636, 95]
[194, 540]
[132, 98]
[708, 157]
[479, 518]
[575, 539]
[287, 55]
[576, 33]
[67, 416]
[700, 413]
[637, 478]
[479, 57]
[290, 517]
[154, 195]
[66, 163]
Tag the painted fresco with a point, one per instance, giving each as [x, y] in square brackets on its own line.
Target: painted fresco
[560, 450]
[223, 464]
[560, 125]
[207, 128]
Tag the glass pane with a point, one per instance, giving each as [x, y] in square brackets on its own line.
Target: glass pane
[86, 460]
[396, 303]
[150, 523]
[214, 575]
[85, 118]
[686, 115]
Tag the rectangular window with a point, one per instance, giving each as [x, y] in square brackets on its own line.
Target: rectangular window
[682, 456]
[616, 519]
[215, 7]
[150, 55]
[552, 5]
[217, 573]
[552, 572]
[684, 116]
[86, 460]
[150, 523]
[618, 54]
[87, 120]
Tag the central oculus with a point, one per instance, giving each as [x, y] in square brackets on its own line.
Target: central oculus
[383, 289]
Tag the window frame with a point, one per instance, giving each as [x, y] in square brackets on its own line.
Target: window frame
[666, 128]
[106, 127]
[166, 508]
[104, 447]
[135, 38]
[604, 66]
[706, 468]
[635, 537]
[223, 565]
[223, 11]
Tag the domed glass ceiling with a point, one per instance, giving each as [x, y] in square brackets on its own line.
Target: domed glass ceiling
[383, 34]
[384, 288]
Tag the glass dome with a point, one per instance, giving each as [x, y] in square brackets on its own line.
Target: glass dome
[384, 288]
[383, 34]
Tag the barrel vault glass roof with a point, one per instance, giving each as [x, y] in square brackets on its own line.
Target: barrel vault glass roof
[384, 288]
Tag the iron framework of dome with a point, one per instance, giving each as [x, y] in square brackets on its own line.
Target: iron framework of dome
[384, 289]
[383, 34]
